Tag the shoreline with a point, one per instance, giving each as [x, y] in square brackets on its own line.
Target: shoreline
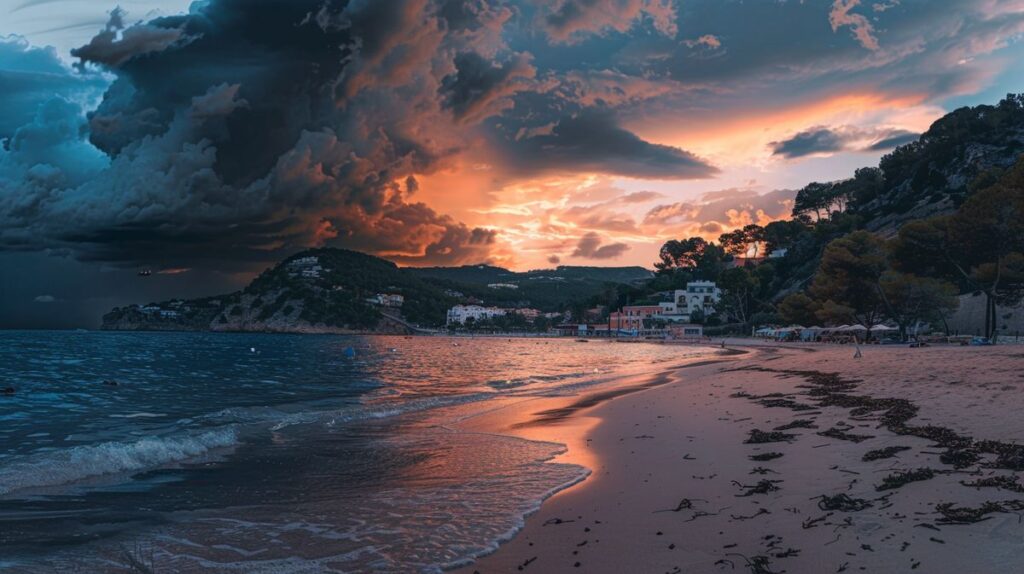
[673, 488]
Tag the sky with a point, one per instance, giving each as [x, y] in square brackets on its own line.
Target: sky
[206, 140]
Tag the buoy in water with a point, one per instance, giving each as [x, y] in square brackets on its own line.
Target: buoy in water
[349, 352]
[252, 349]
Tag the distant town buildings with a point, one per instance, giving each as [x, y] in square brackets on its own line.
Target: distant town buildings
[307, 267]
[502, 286]
[388, 300]
[529, 314]
[699, 296]
[459, 314]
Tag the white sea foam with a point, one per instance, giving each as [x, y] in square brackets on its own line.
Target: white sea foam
[64, 466]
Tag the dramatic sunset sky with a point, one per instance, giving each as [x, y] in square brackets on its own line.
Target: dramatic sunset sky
[206, 140]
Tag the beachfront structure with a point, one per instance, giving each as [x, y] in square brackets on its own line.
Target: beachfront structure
[632, 317]
[459, 314]
[686, 332]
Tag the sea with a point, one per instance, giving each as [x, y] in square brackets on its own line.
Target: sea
[212, 452]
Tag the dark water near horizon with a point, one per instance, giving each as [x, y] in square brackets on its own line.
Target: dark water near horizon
[209, 457]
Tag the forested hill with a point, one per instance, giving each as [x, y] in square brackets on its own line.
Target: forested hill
[963, 151]
[332, 290]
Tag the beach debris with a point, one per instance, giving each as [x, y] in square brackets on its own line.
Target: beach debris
[840, 434]
[797, 424]
[765, 456]
[761, 437]
[702, 514]
[527, 563]
[760, 511]
[899, 479]
[556, 521]
[684, 504]
[842, 503]
[887, 452]
[762, 470]
[757, 564]
[1004, 482]
[812, 522]
[762, 487]
[787, 553]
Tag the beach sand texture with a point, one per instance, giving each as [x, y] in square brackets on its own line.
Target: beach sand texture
[875, 452]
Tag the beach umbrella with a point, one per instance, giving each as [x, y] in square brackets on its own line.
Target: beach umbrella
[883, 328]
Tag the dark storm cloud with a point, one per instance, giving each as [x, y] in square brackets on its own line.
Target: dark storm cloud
[30, 76]
[822, 140]
[115, 45]
[590, 247]
[592, 141]
[241, 132]
[480, 88]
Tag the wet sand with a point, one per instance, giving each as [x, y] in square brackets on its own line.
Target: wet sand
[875, 453]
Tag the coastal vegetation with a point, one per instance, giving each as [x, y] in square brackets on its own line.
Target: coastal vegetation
[938, 217]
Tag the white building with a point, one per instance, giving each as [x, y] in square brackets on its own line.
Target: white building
[388, 300]
[459, 314]
[502, 286]
[308, 267]
[698, 295]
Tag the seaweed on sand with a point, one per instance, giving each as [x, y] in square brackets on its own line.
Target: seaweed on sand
[887, 452]
[765, 456]
[898, 479]
[842, 503]
[797, 424]
[761, 437]
[762, 487]
[966, 515]
[840, 434]
[1004, 482]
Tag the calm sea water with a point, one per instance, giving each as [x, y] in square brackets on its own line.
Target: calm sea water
[276, 453]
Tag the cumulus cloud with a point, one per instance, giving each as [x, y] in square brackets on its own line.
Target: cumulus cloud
[709, 41]
[717, 211]
[825, 140]
[590, 247]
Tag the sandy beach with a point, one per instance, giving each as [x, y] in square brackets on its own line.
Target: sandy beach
[787, 459]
